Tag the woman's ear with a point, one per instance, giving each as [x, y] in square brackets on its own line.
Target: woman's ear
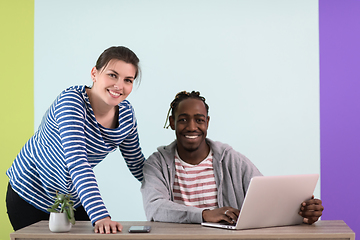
[93, 74]
[172, 122]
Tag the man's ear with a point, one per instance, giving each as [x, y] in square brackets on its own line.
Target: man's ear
[93, 74]
[172, 122]
[207, 121]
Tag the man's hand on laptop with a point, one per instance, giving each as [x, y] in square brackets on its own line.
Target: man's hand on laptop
[227, 214]
[311, 210]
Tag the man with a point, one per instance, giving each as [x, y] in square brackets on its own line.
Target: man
[195, 179]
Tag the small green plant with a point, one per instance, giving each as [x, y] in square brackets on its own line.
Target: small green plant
[66, 205]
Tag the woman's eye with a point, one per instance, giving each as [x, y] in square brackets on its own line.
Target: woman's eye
[112, 75]
[129, 80]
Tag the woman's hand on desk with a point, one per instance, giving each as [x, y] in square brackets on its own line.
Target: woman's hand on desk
[227, 214]
[311, 210]
[106, 225]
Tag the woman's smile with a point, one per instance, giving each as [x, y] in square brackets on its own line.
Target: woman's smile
[114, 94]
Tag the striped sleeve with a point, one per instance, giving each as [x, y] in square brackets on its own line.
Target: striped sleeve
[131, 150]
[70, 116]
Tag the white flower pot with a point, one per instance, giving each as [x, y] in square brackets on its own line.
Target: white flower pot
[59, 222]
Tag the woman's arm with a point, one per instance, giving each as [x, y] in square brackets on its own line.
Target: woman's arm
[131, 150]
[70, 116]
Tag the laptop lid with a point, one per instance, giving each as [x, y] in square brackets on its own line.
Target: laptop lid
[273, 201]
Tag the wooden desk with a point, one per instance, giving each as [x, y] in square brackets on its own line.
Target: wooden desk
[84, 230]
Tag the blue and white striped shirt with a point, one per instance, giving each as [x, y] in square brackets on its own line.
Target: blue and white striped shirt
[69, 143]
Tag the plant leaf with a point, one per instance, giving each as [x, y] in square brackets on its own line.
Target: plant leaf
[52, 210]
[66, 205]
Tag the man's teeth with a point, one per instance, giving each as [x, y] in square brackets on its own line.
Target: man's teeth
[191, 137]
[114, 93]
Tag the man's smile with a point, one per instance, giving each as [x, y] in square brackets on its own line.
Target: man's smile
[192, 136]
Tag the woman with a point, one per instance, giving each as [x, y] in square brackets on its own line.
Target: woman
[80, 128]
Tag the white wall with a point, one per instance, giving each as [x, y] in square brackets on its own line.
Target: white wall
[256, 63]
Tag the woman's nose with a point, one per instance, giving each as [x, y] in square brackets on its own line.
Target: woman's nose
[119, 84]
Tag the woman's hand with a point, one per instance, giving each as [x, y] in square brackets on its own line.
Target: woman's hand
[227, 214]
[106, 225]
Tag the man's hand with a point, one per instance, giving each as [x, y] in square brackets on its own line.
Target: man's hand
[311, 210]
[227, 214]
[107, 226]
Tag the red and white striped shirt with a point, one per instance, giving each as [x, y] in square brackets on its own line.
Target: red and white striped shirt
[195, 184]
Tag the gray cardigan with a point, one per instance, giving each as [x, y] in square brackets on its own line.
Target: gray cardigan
[232, 170]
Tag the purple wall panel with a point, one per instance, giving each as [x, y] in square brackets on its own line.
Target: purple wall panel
[339, 24]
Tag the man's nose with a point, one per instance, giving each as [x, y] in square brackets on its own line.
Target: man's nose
[192, 125]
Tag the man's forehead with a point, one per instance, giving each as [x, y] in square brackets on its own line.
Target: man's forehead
[191, 106]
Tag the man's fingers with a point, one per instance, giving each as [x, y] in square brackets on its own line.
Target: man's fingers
[310, 220]
[312, 201]
[309, 214]
[231, 217]
[312, 208]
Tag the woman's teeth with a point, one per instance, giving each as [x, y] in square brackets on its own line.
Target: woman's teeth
[114, 93]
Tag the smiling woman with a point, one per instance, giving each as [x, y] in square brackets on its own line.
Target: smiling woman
[112, 84]
[82, 126]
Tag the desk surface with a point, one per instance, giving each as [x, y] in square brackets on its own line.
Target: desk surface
[84, 230]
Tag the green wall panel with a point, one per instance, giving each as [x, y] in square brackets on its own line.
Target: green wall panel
[17, 88]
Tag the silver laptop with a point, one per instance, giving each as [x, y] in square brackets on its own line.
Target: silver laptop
[273, 201]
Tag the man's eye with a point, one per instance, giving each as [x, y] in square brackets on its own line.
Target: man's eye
[182, 120]
[200, 120]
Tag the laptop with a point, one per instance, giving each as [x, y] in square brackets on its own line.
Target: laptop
[273, 201]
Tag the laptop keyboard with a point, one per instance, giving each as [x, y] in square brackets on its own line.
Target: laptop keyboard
[227, 223]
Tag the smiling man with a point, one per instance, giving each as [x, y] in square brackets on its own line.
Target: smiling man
[195, 179]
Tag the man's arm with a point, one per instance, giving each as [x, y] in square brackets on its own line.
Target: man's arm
[156, 192]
